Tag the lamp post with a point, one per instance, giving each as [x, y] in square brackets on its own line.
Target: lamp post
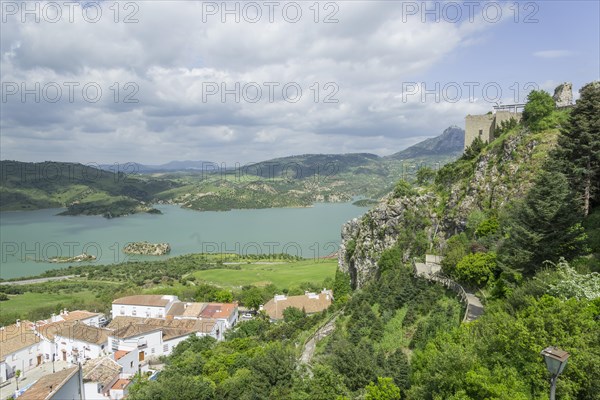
[556, 360]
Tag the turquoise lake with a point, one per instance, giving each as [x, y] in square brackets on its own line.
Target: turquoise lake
[312, 232]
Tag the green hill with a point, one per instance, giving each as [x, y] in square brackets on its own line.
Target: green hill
[82, 189]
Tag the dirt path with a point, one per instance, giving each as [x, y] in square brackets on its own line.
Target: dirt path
[311, 344]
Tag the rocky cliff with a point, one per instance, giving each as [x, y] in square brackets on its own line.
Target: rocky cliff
[422, 220]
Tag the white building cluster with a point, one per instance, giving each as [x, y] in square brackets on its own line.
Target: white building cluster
[103, 359]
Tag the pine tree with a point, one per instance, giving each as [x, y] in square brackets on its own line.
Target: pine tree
[545, 226]
[579, 146]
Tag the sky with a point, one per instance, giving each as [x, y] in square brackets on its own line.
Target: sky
[243, 81]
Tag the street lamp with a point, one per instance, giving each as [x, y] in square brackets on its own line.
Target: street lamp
[556, 360]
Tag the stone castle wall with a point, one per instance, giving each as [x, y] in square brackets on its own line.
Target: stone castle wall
[483, 126]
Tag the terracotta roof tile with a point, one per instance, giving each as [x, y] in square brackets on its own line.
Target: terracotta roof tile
[308, 302]
[14, 338]
[150, 300]
[47, 385]
[75, 330]
[121, 384]
[103, 370]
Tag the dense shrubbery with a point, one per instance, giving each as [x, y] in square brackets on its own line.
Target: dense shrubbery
[476, 269]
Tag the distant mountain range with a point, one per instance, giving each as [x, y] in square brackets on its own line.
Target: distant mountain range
[449, 144]
[294, 181]
[168, 167]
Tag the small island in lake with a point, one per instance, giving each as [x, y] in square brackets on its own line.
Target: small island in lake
[79, 258]
[147, 249]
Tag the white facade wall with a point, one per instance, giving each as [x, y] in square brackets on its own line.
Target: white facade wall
[130, 363]
[125, 310]
[70, 390]
[3, 376]
[150, 343]
[169, 345]
[84, 351]
[118, 394]
[92, 391]
[142, 311]
[93, 321]
[24, 359]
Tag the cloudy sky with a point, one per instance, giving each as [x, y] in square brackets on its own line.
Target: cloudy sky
[155, 81]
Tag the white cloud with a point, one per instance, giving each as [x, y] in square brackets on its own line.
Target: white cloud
[171, 55]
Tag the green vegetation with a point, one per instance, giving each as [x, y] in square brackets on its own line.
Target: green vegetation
[400, 337]
[545, 226]
[252, 280]
[538, 110]
[283, 275]
[579, 147]
[297, 181]
[83, 189]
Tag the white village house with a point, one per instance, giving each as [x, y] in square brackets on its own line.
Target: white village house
[20, 349]
[143, 306]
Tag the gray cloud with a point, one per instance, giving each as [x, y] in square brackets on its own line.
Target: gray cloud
[170, 55]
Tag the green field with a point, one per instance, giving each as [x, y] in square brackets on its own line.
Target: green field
[283, 275]
[22, 304]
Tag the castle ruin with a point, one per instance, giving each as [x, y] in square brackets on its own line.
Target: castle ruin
[484, 126]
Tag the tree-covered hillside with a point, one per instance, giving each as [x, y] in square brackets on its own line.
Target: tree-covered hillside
[83, 189]
[511, 221]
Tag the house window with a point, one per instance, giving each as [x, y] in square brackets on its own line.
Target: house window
[480, 132]
[152, 351]
[31, 362]
[131, 364]
[166, 348]
[122, 310]
[134, 312]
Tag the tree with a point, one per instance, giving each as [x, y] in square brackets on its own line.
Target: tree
[545, 226]
[3, 297]
[341, 287]
[540, 105]
[223, 296]
[252, 297]
[384, 389]
[457, 247]
[476, 269]
[396, 366]
[403, 189]
[474, 149]
[182, 388]
[425, 175]
[390, 258]
[293, 314]
[579, 146]
[17, 375]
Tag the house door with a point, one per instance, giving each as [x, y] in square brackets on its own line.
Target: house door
[39, 359]
[141, 356]
[64, 355]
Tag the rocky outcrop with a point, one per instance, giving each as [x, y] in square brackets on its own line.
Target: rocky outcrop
[147, 249]
[365, 239]
[502, 172]
[563, 95]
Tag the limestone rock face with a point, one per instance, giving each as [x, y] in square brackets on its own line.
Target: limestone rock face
[365, 239]
[502, 172]
[563, 94]
[148, 249]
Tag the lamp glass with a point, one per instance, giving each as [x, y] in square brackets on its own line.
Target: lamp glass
[554, 365]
